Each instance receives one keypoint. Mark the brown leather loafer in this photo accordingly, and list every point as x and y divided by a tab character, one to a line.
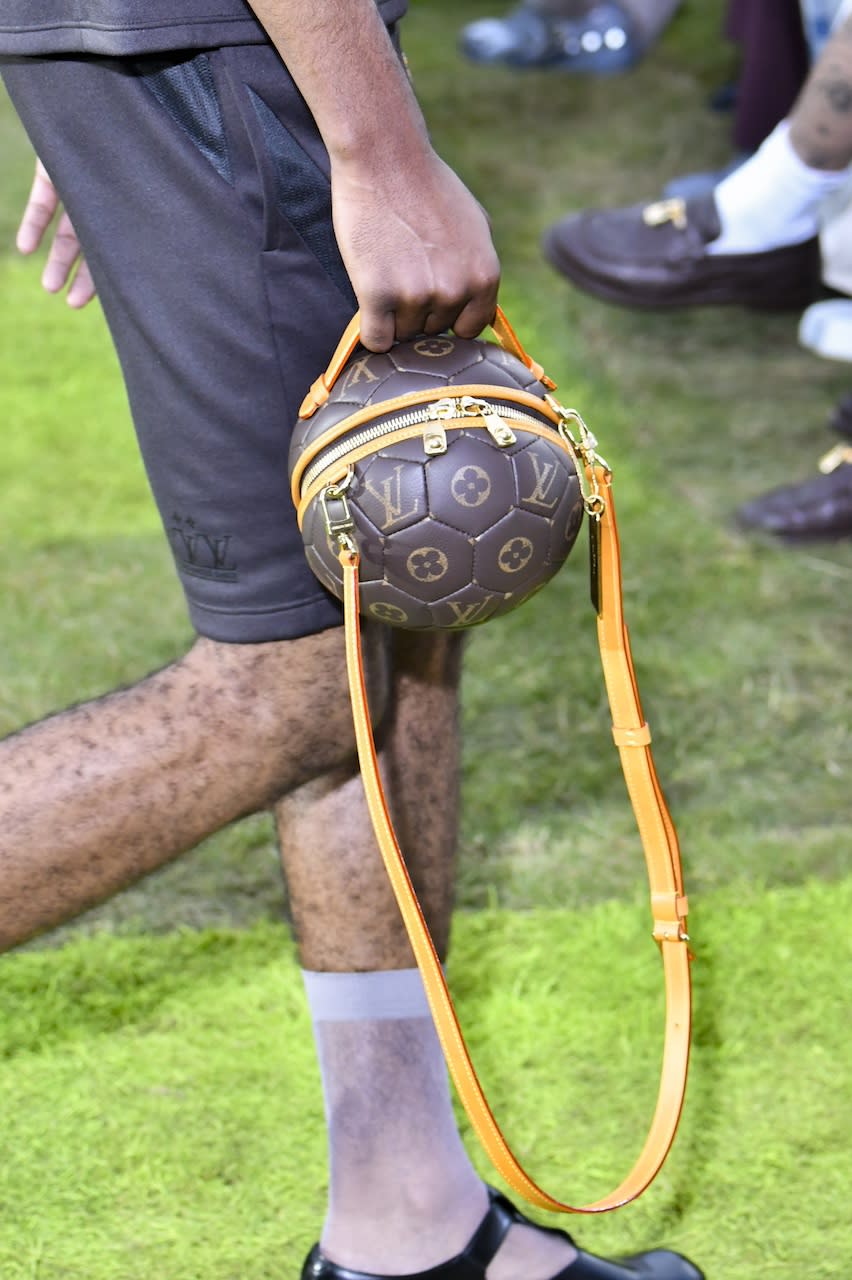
655	256
819	508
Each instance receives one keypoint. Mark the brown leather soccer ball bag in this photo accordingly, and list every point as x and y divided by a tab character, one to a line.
438	485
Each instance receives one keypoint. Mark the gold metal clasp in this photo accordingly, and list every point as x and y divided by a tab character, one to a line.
584	446
339	526
673	211
594	502
583	442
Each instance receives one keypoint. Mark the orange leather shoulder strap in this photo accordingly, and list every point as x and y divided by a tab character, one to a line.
659	841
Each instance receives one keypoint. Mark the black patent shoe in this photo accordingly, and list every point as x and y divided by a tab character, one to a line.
472	1262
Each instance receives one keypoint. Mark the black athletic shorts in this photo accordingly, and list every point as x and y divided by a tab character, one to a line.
198	186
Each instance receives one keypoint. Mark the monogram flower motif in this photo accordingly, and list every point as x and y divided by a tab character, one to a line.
386	612
515	555
471	486
434	347
428	564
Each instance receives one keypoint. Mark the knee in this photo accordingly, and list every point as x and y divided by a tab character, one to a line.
286	702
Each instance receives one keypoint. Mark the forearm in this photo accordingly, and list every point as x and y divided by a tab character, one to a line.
413	239
340	55
821	122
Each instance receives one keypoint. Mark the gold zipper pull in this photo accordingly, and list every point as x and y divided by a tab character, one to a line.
435	437
501	433
434	440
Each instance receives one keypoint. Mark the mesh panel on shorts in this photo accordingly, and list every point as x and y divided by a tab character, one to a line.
303	194
186	90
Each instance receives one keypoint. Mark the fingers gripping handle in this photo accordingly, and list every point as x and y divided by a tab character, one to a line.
319	392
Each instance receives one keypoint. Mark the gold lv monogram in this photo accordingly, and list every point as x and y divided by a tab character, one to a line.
467	614
545	473
388	493
358	371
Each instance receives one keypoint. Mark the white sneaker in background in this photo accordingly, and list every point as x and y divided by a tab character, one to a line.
826	329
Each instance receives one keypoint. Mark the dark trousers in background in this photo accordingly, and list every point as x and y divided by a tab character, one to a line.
775	63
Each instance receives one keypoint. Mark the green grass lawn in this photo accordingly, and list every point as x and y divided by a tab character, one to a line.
742	651
162	1113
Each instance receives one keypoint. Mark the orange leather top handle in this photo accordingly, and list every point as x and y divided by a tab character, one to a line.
662	856
503	332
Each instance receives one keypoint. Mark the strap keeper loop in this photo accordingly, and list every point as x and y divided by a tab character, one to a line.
670	912
639	736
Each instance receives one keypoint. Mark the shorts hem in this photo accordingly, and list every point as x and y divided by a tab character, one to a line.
291	622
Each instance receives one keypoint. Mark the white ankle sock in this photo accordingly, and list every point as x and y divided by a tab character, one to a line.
773	199
403	1194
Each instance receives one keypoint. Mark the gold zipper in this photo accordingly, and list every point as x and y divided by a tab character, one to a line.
434	436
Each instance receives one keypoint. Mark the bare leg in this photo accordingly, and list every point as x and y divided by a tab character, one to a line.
98	796
344	913
821	121
403	1194
776	198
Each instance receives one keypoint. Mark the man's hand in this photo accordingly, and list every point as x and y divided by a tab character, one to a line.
42	207
414	240
417	247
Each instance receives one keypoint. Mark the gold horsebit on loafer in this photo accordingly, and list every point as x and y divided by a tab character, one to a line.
836	457
673	211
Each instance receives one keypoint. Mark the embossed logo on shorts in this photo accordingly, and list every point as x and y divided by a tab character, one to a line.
199	553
